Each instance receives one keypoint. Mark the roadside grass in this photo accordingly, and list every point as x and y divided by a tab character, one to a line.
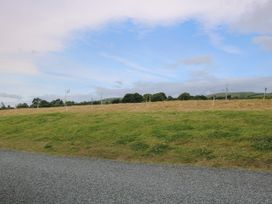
219	138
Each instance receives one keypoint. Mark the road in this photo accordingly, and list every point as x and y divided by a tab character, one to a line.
37	178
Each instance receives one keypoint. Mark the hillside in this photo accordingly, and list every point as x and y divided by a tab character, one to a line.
241	95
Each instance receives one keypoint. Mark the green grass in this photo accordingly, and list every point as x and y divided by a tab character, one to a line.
209	138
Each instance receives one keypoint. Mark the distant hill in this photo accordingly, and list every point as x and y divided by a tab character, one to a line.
241	95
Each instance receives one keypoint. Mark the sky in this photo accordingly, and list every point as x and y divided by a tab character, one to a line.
106	48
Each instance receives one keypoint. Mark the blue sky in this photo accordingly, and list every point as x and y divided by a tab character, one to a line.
96	49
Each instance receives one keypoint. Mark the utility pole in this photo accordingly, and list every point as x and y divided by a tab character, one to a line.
92	104
67	91
214	100
265	90
38	103
226	92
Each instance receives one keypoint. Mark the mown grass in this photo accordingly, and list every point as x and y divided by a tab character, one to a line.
220	138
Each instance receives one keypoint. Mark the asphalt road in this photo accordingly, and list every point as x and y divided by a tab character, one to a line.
36	178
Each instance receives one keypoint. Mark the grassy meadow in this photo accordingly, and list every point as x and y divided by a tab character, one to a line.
221	134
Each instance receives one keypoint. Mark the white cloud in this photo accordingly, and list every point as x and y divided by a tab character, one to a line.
256	17
199	60
17	66
265	42
46	25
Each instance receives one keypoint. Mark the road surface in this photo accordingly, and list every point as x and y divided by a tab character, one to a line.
37	178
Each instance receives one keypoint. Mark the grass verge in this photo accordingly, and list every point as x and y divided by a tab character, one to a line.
220	138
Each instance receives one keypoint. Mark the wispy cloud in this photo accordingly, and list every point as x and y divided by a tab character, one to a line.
198	60
10	96
138	68
264	41
218	41
192	61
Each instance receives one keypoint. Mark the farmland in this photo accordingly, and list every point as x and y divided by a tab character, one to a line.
231	134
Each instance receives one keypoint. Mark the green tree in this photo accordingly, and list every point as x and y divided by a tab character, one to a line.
45	103
133	98
22	105
158	97
2	107
36	102
70	103
147	97
200	97
170	98
116	100
57	103
184	96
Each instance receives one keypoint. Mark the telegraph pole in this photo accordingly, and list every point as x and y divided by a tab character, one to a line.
226	92
65	97
265	90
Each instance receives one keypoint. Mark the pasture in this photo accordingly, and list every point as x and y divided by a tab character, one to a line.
231	134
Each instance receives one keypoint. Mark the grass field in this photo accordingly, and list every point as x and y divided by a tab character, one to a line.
223	134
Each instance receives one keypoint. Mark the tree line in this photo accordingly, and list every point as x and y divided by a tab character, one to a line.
128	98
138	98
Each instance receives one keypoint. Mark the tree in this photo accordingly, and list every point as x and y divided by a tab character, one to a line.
22	105
147	97
44	103
158	97
200	97
56	103
133	98
36	103
116	100
170	98
70	103
184	96
3	106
